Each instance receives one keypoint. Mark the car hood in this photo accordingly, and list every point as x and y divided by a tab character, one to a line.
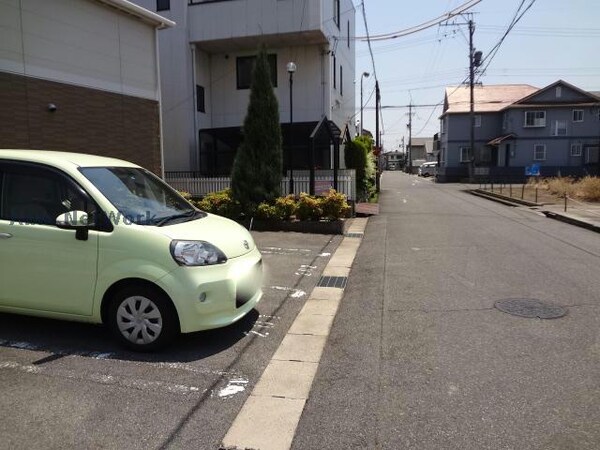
230	237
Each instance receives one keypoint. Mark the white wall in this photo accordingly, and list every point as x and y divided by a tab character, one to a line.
178	104
342	104
79	42
242	18
226	105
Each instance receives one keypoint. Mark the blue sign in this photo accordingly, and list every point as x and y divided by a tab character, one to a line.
532	170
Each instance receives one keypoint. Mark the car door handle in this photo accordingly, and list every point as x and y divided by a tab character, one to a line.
5	235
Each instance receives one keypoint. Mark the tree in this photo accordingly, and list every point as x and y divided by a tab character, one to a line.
257	169
358	156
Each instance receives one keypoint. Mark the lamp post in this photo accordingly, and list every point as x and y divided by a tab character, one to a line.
364	75
291	68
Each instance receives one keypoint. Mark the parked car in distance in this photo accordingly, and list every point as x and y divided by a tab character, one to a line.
428	169
101	240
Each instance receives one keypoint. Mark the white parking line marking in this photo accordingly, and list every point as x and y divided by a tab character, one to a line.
65	352
295	293
284	251
246	333
306	270
102	378
233	387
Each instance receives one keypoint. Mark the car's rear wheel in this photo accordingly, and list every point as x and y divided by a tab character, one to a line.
142	318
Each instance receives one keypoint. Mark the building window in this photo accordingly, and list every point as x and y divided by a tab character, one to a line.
504	121
336	12
200	107
578	115
348	33
576	149
592	155
539	152
558	92
341	80
334	73
442	127
559	128
244	67
535	119
163	5
477	121
465	154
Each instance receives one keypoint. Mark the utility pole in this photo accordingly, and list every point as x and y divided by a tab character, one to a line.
377	105
472	101
409	138
377	137
474	62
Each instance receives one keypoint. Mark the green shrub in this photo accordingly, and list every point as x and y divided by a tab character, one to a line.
258	164
334	205
309	208
264	211
358	156
220	203
186	195
285	207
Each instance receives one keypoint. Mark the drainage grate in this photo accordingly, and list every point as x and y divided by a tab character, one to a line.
530	308
354	235
333	282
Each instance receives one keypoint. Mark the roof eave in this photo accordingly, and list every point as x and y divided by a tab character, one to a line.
150	17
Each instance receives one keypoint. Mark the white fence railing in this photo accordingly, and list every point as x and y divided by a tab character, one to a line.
200	186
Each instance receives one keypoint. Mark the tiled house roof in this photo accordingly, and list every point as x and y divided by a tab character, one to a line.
491	98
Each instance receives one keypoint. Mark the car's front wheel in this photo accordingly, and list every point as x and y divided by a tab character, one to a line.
142	318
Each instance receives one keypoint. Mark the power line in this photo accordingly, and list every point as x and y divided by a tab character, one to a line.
516	18
425	25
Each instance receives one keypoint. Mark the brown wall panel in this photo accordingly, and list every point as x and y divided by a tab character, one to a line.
86	120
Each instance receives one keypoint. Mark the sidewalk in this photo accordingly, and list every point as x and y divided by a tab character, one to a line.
586	215
583	214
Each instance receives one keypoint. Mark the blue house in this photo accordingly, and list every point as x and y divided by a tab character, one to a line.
557	127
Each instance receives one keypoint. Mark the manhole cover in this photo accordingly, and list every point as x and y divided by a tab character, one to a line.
530	308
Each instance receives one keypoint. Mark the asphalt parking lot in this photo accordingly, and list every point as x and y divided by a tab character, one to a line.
68	385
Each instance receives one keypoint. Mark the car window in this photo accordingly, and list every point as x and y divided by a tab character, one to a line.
140	196
37	195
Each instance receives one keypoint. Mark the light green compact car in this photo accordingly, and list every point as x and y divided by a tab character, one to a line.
102	240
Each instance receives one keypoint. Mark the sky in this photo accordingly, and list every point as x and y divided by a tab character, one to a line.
555	39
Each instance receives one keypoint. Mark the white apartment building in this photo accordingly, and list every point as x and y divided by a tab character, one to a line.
206	63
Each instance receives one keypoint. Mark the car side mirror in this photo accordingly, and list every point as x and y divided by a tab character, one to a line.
79	221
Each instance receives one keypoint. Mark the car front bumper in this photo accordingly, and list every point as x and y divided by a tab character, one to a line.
215	296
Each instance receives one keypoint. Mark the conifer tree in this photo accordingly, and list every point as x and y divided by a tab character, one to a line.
257	169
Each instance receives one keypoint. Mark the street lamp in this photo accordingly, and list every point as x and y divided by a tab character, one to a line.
364	75
291	68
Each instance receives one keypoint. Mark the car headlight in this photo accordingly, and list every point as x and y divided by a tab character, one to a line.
196	253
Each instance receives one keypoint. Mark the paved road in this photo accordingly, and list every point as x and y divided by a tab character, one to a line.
66	385
419	358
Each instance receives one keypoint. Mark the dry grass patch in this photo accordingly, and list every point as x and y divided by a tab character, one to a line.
561	186
588	188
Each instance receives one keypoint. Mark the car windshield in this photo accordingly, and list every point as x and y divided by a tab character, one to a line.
140	196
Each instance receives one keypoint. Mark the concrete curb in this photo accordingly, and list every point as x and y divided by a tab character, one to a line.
572	221
497	198
550	214
271	413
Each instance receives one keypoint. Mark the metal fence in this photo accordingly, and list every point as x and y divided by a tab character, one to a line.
199	186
